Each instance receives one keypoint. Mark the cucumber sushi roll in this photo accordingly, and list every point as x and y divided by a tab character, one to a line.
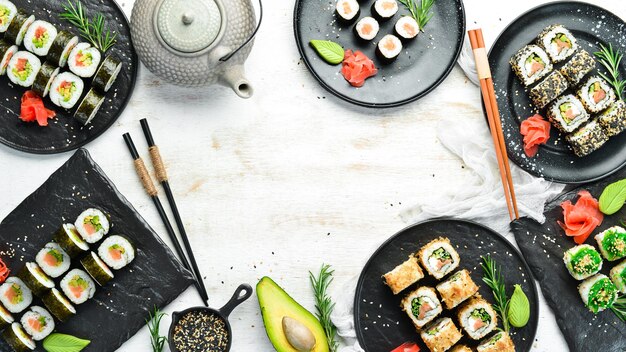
618	276
422	306
66	90
23	68
582	261
15	296
439	258
89	107
84	60
7	13
116	251
18	27
35	279
406	28
53	260
6	318
38	323
383	10
499	342
58	305
44	79
78	286
441	335
567	113
457	288
347	10
18	339
403	275
389	48
367	28
548	89
613	119
596	95
530	64
7	51
95	267
558	42
612	243
62	47
598	293
589	138
68	238
477	318
578	67
92	224
39	37
107	73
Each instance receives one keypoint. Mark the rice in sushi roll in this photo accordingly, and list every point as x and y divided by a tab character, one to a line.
44	79
107	73
618	276
558	42
89	107
6	318
78	286
383	10
406	28
612	243
596	95
403	275
15	296
347	10
578	67
567	113
18	27
7	13
38	282
23	68
66	90
70	241
598	293
477	318
439	258
422	306
7	51
582	261
18	339
38	323
441	335
97	269
53	260
39	37
530	64
116	251
548	89
499	342
461	348
367	28
58	305
589	138
613	119
457	288
92	224
61	48
388	48
84	60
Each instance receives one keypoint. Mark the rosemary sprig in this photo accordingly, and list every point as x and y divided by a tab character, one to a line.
610	59
421	13
154	322
493	278
619	308
93	30
323	303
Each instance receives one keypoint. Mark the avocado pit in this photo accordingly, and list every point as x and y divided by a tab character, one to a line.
298	335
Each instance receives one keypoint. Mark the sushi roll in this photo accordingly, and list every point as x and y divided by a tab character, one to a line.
36	280
97	269
422	306
548	89
383	10
44	79
347	10
598	293
367	28
589	138
567	113
92	224
7	51
558	42
613	119
84	60
107	73
578	67
39	37
618	276
23	68
70	241
18	339
89	107
116	251
596	95
61	48
457	288
78	286
15	296
388	48
18	27
439	258
477	318
66	90
612	243
582	261
441	335
499	342
53	260
403	275
6	318
7	13
530	64
58	305
38	323
461	348
406	28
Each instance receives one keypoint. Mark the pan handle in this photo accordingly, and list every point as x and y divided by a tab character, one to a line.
242	293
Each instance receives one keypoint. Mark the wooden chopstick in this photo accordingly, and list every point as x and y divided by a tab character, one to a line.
493	116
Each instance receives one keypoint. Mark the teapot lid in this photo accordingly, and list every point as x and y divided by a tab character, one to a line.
189	26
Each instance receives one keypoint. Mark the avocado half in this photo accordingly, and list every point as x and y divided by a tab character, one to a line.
275	305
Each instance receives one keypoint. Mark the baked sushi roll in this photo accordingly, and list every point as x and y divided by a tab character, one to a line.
84	60
578	67
422	306
18	27
66	89
61	48
582	261
89	107
108	72
15	296
618	276
461	348
44	79
7	50
92	224
441	335
7	13
39	37
477	317
53	260
587	139
38	282
406	28
38	323
598	293
558	42
403	275
439	258
499	342
117	251
347	10
389	48
612	243
97	269
18	339
68	238
23	68
530	64
6	318
595	94
457	288
567	113
548	89
384	10
613	119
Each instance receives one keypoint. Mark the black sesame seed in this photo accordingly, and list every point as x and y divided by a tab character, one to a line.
200	331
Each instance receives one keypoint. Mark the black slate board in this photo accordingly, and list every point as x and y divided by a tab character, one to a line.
543	246
591	25
423	64
381	324
119	309
64	133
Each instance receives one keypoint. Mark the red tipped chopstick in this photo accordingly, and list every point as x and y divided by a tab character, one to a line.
493	116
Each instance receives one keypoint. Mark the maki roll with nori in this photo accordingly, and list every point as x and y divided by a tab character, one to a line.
15	296
58	305
618	276
422	306
548	89
567	113
108	72
78	286
97	269
43	80
441	335
117	251
38	323
477	317
18	339
406	28
439	258
89	107
596	95
7	50
61	48
84	60
7	13
23	68
499	342
39	37
383	10
598	293
587	139
6	318
68	238
66	90
92	224
53	260
403	275
18	27
558	42
612	243
38	282
578	67
367	28
582	261
613	119
347	10
530	64
457	288
389	48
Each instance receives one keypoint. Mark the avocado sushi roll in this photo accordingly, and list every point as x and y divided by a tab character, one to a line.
89	107
61	48
384	10
441	335
613	119
567	113
548	89
389	48
6	318
39	37
15	296
35	279
107	73
477	318
68	238
84	60
92	224
457	289
582	261
78	286
44	79
598	293
18	27
618	276
558	42
499	342
53	260
612	243
587	139
7	50
439	258
406	28
58	305
7	13
18	339
530	64
578	67
97	269
38	323
403	275
117	251
367	28
347	11
66	90
23	68
596	95
422	306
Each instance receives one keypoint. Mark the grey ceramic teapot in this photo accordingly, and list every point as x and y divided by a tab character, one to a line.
196	42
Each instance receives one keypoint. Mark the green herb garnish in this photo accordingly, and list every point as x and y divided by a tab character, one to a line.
64	343
613	197
610	59
92	29
519	308
422	13
619	308
493	278
323	303
331	52
154	323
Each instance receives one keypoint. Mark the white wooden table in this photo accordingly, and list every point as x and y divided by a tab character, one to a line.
285	181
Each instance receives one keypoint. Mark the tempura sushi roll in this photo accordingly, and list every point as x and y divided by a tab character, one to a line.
548	89
18	27
578	67
613	119
44	79
66	90
39	37
403	275
477	318
78	286
38	282
367	28
612	243
587	139
422	306
15	296
58	305
38	323
70	241
53	260
6	318
530	64
107	73
461	348
618	276
84	60
596	95
567	113
457	288
499	342
61	48
383	10
116	251
23	68
441	335
89	107
558	42
598	293
439	258
92	224
18	339
7	50
389	48
406	28
347	10
97	269
7	13
582	261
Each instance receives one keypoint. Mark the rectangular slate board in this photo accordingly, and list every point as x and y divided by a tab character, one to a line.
543	246
119	309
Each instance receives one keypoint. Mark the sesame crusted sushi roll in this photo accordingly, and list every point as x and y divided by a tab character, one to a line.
612	243
7	50
70	241
7	13
578	67
530	64
422	306
92	224
389	48
582	261
558	42
89	107
58	305
347	10
18	27
117	251
567	113
97	269
598	293
18	339
78	286
15	296
441	335
53	260
587	139
39	37
618	276
457	288
107	73
499	342
548	89
384	10
461	348
406	28
44	79
439	258
61	48
66	90
403	275
38	282
38	323
84	60
23	68
596	95
613	119
367	28
477	318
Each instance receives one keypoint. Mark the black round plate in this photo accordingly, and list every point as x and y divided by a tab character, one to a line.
63	133
381	324
591	25
423	64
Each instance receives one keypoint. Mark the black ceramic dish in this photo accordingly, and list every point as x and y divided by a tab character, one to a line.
591	25
381	324
243	292
119	309
423	64
543	246
63	133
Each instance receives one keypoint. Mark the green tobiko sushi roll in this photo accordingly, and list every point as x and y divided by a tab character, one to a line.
53	260
58	305
68	238
598	293
582	261
97	269
612	243
618	276
18	339
78	286
38	282
15	296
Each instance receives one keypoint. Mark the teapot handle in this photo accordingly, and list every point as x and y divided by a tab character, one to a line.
228	56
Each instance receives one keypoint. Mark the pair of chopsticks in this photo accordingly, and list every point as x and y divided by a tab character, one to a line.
149	187
493	116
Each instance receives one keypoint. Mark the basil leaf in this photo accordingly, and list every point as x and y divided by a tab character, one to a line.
64	343
613	197
519	308
331	52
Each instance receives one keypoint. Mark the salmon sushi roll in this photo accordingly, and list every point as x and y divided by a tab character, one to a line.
38	323
107	73
587	139
457	288
441	335
558	42
613	119
39	37
68	238
404	275
499	342
19	25
44	79
6	318
461	348
92	224
477	317
7	51
23	68
389	48
384	10
548	89
422	306
567	113
439	258
596	95
61	48
347	11
97	269
7	13
406	28
78	286
116	251
89	107
38	282
66	90
53	260
581	64
367	28
84	60
18	339
58	305
530	64
15	296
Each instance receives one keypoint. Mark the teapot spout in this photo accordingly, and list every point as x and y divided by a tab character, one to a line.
234	77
